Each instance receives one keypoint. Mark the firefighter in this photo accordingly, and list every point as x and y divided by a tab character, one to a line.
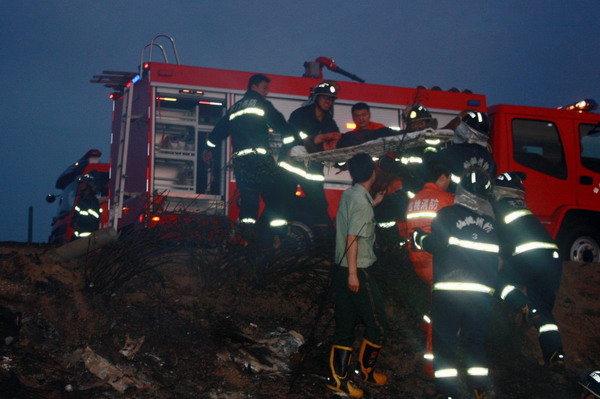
314	124
86	219
531	261
464	244
248	122
469	146
422	209
356	293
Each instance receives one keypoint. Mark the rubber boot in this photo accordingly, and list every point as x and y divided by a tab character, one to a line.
339	362
366	360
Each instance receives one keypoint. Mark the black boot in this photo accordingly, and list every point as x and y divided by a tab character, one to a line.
369	352
339	361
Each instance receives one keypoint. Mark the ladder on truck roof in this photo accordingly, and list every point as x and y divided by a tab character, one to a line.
120	174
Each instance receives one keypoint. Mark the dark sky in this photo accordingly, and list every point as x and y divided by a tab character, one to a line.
542	53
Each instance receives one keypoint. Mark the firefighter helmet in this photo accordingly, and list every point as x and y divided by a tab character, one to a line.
590	381
418	112
326	88
511	180
476	120
476	181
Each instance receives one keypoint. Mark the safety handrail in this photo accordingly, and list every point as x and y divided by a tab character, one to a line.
152	44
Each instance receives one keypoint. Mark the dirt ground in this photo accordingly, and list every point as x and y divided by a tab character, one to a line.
173	318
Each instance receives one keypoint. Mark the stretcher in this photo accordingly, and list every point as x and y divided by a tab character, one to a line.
377	147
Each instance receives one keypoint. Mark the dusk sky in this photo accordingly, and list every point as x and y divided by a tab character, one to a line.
541	53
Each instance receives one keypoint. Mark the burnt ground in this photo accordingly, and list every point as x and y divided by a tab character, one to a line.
157	316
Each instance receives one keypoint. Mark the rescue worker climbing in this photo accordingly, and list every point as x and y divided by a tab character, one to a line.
422	210
464	244
531	261
248	122
314	124
86	219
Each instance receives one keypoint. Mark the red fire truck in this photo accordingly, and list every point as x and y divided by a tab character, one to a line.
163	113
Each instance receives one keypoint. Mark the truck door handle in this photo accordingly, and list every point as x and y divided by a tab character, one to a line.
587	180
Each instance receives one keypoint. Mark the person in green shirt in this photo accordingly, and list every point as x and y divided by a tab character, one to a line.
356	293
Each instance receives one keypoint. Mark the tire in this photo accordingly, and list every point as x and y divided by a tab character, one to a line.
299	237
581	244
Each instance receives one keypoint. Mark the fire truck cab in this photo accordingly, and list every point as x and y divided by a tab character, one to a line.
559	150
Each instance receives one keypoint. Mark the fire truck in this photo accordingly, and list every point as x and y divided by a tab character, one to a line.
163	112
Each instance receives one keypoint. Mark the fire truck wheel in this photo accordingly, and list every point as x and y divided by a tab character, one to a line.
581	244
299	237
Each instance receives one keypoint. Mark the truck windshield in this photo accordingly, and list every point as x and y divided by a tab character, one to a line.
67	199
589	138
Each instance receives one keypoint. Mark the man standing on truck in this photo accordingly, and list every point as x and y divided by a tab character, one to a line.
315	125
531	260
361	115
464	244
248	122
356	293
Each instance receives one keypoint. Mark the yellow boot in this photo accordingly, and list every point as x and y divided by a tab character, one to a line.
367	359
339	362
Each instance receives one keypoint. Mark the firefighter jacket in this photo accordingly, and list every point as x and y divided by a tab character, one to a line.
465	249
421	211
462	156
519	230
304	121
86	219
248	122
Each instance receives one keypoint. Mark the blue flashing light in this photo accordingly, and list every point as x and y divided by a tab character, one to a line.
473	103
135	79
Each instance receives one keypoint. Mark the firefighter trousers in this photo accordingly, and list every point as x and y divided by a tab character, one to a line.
460	317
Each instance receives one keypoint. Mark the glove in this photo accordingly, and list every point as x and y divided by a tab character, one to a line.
417	237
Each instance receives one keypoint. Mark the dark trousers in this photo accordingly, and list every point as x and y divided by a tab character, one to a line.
365	306
259	176
459	317
539	273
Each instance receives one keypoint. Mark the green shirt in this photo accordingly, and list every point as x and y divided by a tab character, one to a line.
355	217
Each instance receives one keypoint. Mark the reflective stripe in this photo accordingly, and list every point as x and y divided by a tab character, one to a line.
247	151
248	221
84	213
409	160
425	215
481	371
547	328
303	135
84	234
455	178
515	215
386	225
210	143
457	286
426	319
77	208
507	290
410	194
534	245
288	140
433	141
245	111
428	356
277	222
446	373
301	172
94	213
555	255
478	246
